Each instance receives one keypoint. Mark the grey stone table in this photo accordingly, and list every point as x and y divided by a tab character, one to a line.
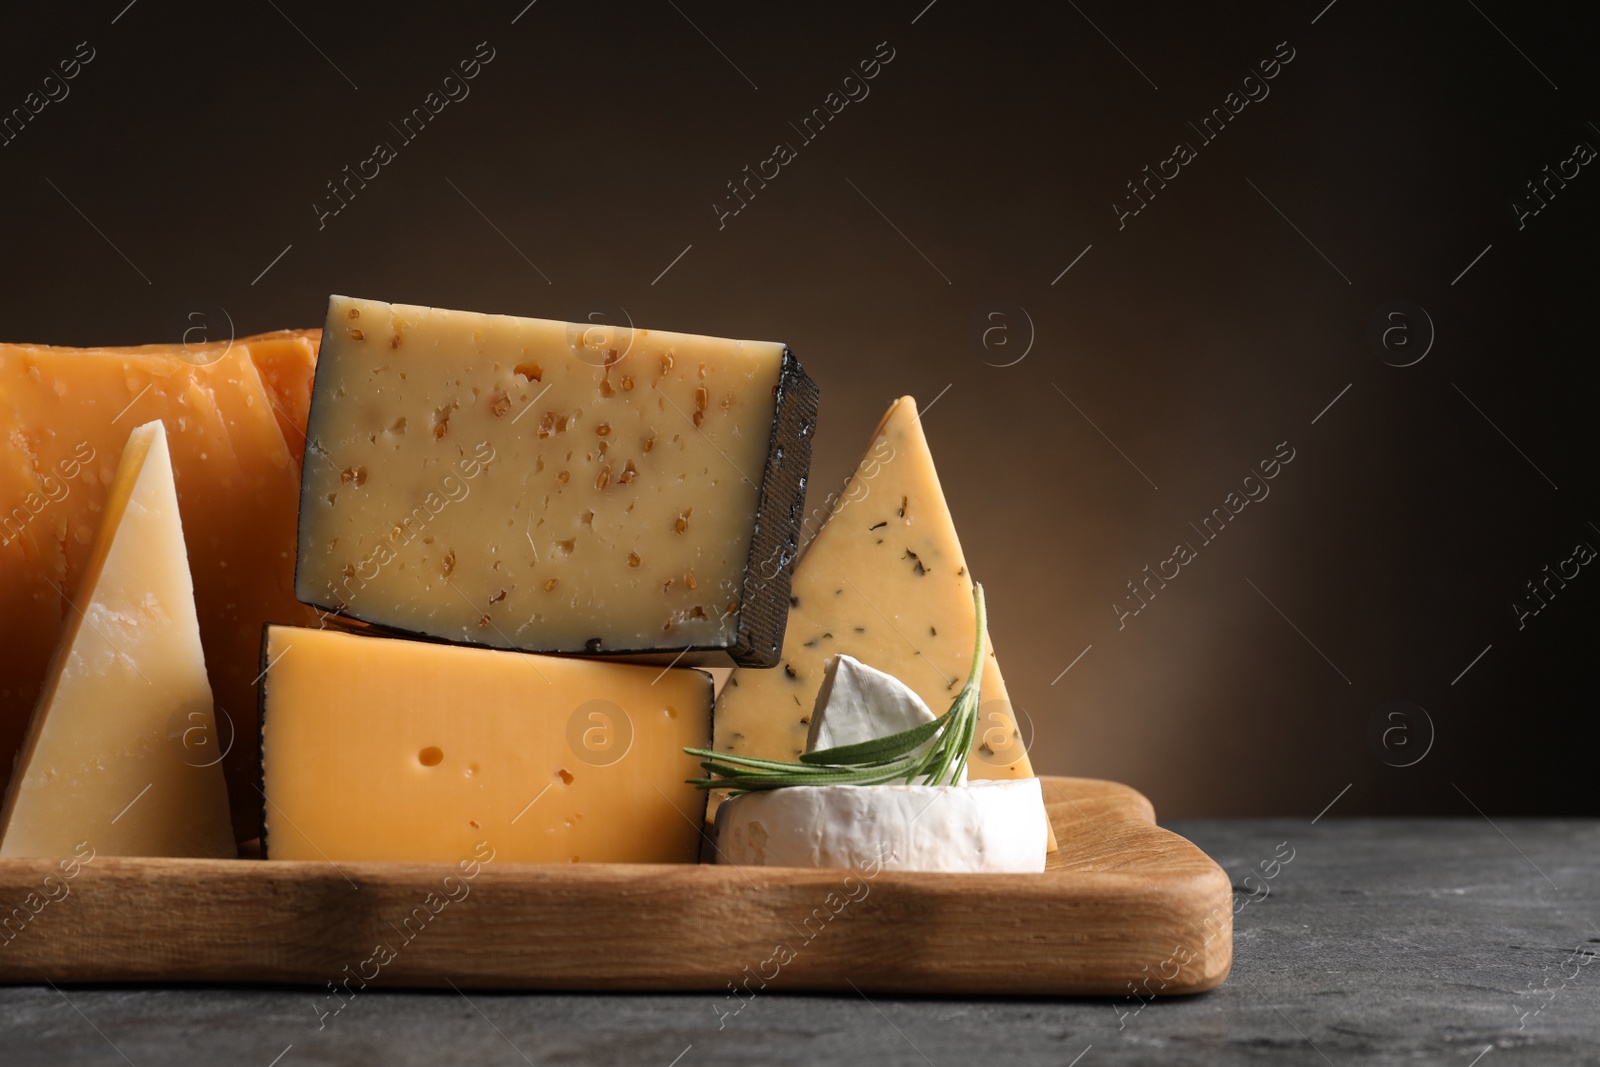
1379	941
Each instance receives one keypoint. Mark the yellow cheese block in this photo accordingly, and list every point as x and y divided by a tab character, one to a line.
65	414
379	748
885	581
546	486
122	750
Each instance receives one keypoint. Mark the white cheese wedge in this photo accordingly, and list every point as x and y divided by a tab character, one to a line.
995	826
860	703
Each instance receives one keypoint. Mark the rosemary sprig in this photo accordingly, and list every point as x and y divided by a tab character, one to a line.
906	756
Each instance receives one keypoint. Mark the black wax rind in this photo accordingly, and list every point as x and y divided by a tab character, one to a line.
764	608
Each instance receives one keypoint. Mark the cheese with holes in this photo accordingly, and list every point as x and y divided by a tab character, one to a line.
994	827
233	412
538	485
379	748
122	750
884	581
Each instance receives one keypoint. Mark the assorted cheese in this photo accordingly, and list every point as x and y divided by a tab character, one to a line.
386	749
523	486
122	750
551	487
885	582
228	407
996	826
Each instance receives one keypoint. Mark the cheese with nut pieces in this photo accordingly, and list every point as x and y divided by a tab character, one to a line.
234	414
380	748
122	750
553	487
995	827
885	581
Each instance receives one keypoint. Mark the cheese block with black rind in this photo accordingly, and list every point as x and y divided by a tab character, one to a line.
551	487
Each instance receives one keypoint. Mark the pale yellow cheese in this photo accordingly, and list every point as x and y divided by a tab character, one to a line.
885	581
388	749
533	484
122	751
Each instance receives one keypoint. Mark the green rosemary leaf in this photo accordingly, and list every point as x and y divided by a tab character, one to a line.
879	748
750	762
840	776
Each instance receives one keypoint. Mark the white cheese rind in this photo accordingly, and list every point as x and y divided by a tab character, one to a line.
860	703
995	827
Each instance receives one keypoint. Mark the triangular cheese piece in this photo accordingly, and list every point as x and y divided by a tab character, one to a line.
885	582
859	703
122	749
232	410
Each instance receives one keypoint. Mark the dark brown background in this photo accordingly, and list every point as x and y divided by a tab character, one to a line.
1196	338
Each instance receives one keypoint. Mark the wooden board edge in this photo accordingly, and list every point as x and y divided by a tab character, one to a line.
1161	927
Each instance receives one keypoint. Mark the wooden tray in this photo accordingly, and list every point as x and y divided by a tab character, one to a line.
1122	902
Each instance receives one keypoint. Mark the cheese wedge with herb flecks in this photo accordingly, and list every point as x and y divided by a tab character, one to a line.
885	581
